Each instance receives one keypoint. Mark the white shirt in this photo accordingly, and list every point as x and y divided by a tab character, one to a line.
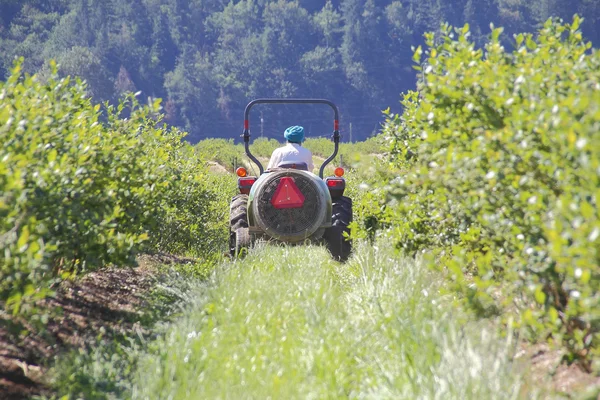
291	153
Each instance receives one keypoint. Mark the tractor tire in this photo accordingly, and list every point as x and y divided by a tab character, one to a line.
339	247
243	242
239	236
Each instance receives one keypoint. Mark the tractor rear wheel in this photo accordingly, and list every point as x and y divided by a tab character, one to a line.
243	241
239	235
339	246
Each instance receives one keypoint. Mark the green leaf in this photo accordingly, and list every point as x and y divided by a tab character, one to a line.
417	55
553	315
587	211
23	239
586	275
576	23
52	154
540	296
29	290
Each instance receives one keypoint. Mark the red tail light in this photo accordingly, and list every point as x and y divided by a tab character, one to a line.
246	181
336	186
244	184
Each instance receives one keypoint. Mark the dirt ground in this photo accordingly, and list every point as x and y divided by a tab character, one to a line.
110	299
546	366
217	168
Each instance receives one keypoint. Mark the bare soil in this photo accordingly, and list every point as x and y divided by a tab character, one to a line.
110	300
217	168
547	366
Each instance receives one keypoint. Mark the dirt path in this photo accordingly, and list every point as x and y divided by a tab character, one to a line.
217	168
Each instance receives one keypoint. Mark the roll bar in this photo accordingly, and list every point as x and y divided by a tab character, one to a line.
336	126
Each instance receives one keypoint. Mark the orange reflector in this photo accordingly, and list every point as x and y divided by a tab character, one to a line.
339	172
241	172
287	194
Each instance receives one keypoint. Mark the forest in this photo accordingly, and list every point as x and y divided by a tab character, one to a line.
207	58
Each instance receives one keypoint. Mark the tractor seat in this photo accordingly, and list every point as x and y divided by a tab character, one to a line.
300	165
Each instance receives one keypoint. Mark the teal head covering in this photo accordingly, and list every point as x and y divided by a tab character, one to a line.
294	134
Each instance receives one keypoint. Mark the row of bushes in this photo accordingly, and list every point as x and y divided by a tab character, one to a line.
502	178
227	153
81	188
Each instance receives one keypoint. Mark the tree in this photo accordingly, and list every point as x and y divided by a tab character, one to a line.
590	10
328	23
357	52
123	83
478	14
25	37
82	62
187	86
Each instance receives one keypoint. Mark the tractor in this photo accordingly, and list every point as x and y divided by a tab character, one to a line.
289	204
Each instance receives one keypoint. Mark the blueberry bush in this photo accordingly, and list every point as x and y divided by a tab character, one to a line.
83	186
502	177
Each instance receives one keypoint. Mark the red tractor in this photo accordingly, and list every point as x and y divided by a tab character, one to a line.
290	204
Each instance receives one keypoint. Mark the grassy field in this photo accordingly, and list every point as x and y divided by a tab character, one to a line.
287	322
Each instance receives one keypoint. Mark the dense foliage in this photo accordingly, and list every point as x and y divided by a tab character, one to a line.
502	175
208	58
77	194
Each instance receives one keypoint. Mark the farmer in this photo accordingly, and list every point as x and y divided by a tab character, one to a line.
292	152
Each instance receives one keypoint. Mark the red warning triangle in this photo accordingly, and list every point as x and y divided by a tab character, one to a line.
287	194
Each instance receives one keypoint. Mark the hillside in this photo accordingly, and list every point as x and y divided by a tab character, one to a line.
208	58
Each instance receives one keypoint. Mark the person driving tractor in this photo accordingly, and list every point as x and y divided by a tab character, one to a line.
292	152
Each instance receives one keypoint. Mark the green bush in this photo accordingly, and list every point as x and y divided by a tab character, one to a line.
77	194
503	177
228	154
323	147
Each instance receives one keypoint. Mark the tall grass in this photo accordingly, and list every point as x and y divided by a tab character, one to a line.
287	322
